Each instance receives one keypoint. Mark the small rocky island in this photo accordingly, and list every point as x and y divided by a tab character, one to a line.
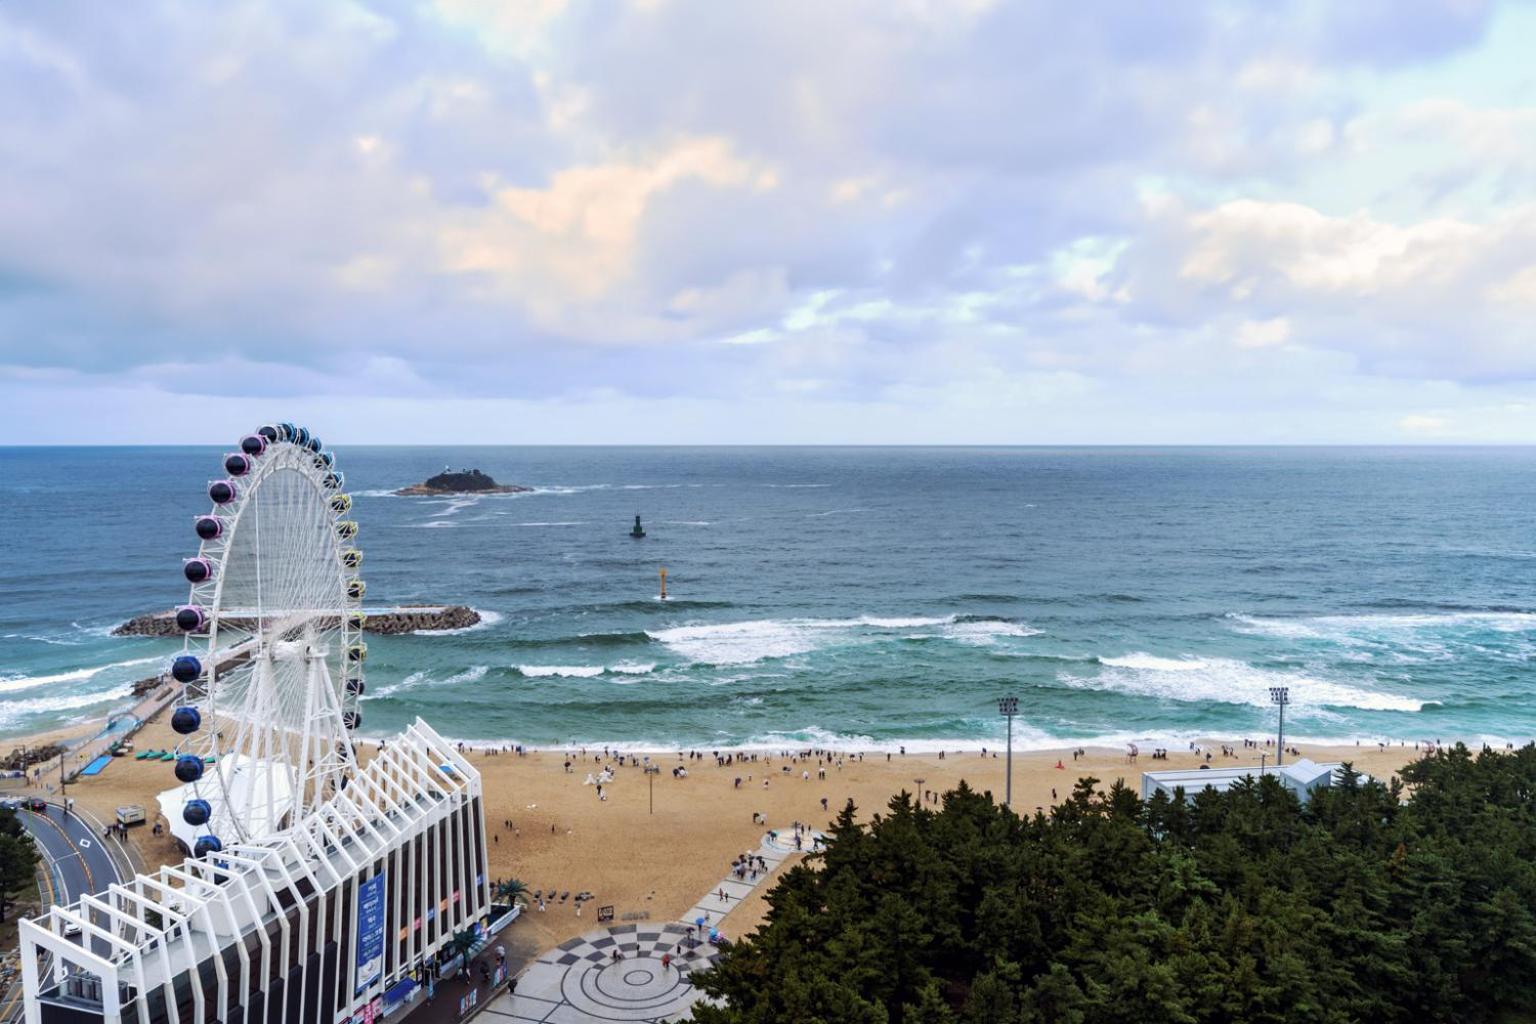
463	481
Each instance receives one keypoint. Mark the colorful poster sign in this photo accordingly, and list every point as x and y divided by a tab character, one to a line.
370	932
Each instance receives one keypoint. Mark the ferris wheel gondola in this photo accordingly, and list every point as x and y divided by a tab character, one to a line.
272	665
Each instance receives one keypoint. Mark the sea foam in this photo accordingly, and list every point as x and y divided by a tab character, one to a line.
623	668
1226	681
15	683
740	643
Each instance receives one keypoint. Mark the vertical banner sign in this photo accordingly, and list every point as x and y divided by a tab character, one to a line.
370	932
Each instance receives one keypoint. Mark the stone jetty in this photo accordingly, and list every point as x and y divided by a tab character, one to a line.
387	621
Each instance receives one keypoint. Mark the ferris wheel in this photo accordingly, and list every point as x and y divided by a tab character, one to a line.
272	665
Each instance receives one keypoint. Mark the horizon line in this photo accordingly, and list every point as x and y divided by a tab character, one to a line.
957	445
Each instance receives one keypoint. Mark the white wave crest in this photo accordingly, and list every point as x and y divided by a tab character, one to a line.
454	505
1384	626
15	683
623	668
561	489
54	640
12	710
1226	681
987	631
740	643
422	680
1406	638
1142	660
916	622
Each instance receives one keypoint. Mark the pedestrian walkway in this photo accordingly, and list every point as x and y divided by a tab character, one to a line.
637	972
727	896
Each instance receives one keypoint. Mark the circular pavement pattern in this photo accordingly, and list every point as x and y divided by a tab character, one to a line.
582	979
782	841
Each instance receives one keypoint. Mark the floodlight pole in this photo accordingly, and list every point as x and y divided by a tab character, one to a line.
1008	707
651	772
1281	696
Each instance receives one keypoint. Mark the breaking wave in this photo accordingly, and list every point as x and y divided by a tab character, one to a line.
1226	681
741	643
584	671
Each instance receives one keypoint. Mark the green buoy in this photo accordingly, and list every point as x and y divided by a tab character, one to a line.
638	531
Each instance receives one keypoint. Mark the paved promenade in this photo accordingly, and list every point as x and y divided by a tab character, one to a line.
636	972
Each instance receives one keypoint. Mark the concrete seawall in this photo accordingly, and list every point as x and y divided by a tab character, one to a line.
386	621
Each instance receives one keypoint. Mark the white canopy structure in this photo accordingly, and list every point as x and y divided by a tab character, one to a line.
1301	777
241	779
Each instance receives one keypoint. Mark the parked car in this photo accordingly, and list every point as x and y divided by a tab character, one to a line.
11	803
37	803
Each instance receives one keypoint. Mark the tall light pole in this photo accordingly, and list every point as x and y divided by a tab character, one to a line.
651	771
1280	696
1008	707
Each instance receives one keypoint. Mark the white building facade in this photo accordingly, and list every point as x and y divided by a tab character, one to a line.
332	920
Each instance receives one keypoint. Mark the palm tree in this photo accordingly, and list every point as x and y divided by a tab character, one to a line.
512	892
462	944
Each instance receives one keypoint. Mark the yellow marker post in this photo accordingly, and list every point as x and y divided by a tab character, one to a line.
663	583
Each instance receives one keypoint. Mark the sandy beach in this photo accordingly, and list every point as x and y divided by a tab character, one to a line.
563	838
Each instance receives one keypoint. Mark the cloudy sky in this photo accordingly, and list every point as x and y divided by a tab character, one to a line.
707	221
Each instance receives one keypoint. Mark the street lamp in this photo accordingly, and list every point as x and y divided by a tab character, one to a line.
919	782
1008	707
1280	696
651	771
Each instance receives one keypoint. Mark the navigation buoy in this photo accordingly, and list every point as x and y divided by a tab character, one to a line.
663	583
638	531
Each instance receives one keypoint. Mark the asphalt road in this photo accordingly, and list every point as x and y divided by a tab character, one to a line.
78	861
78	864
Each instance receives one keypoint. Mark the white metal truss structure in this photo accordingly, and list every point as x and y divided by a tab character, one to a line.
276	577
274	930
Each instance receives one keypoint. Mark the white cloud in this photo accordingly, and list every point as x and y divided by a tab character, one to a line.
1421	424
914	216
1263	333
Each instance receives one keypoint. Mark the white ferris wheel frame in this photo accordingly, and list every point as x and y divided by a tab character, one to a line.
286	771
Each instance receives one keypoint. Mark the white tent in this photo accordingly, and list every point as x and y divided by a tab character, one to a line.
263	786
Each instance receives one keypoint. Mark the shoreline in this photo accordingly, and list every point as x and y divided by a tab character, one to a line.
931	747
76	733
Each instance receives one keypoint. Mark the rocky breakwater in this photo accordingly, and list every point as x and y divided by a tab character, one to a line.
410	618
463	481
387	621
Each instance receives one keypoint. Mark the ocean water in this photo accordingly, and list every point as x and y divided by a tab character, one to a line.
855	596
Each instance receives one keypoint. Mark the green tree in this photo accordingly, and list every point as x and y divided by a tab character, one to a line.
18	867
1386	903
512	892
